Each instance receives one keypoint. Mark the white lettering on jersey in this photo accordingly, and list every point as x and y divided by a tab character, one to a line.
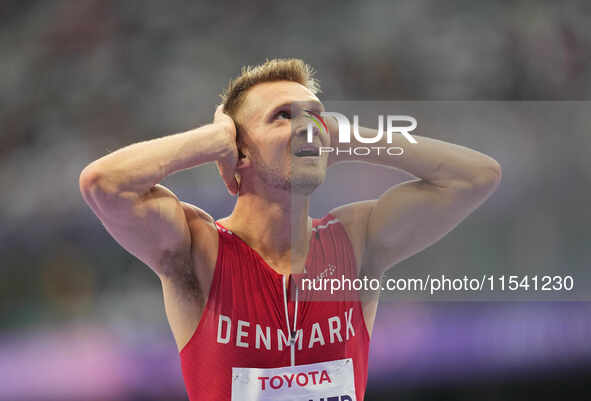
228	321
261	337
240	333
348	323
334	330
266	338
282	339
316	336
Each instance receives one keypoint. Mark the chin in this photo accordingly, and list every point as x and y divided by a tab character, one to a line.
305	185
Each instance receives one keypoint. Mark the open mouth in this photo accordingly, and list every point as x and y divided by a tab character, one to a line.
307	150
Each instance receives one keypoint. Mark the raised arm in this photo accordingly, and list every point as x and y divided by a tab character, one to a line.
452	182
144	217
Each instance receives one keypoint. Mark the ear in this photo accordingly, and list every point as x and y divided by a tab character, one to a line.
243	160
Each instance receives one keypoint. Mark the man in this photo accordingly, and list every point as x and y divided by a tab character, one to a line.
241	331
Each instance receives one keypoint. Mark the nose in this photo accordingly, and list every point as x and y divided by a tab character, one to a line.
306	127
307	132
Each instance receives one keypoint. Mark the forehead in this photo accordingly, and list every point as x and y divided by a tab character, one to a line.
265	96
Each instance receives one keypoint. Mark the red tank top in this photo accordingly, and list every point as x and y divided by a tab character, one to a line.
244	322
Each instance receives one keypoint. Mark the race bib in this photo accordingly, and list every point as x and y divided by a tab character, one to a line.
323	381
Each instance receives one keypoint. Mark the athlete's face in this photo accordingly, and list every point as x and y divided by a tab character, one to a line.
274	128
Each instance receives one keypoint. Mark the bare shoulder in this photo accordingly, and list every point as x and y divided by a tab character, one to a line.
194	212
185	294
204	243
354	217
191	276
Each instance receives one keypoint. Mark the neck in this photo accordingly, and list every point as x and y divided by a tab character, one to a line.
277	227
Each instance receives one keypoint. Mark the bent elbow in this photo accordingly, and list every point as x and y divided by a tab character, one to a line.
492	174
88	177
95	185
88	180
488	177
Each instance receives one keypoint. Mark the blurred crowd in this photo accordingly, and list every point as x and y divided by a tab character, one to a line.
80	79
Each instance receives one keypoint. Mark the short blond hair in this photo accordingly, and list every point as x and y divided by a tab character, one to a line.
279	69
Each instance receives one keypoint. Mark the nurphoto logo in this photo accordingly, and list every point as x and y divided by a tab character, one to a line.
344	127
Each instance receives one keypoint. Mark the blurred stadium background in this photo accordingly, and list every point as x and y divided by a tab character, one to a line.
81	319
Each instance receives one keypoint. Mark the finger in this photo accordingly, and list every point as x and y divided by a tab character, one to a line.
219	109
216	113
